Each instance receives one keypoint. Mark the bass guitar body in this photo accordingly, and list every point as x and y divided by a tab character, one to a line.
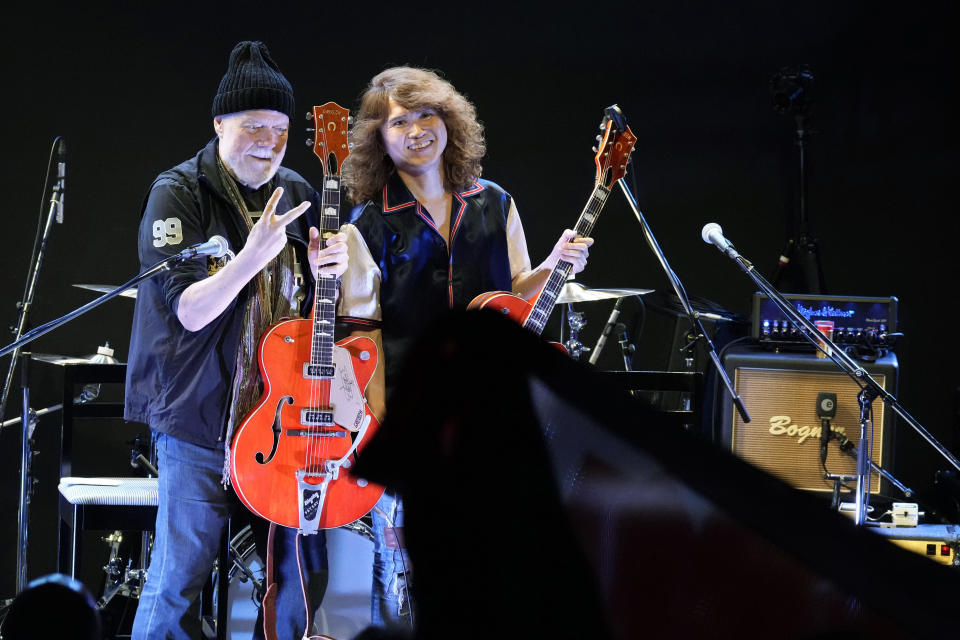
291	455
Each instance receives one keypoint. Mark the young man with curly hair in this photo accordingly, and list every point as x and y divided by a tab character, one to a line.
427	234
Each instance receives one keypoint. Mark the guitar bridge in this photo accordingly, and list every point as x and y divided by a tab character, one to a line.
310	433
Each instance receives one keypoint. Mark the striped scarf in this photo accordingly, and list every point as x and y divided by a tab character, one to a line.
272	300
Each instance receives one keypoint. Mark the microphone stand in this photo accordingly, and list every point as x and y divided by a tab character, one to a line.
55	212
697	327
869	388
26	481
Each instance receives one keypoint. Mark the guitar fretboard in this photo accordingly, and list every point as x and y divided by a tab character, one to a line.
547	298
324	305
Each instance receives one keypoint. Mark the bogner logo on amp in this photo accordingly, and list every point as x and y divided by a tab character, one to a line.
783	436
785	426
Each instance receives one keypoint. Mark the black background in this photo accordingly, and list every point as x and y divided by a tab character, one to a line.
129	89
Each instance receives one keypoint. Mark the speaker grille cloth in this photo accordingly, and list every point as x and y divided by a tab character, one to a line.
783	435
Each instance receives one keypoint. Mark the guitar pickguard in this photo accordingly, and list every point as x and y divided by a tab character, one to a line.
345	394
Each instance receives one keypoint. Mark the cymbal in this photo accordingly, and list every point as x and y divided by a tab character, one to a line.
58	359
106	288
104	355
575	292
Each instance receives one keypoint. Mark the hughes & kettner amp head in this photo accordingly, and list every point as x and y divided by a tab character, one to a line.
866	326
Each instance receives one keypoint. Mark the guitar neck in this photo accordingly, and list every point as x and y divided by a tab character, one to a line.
547	298
325	293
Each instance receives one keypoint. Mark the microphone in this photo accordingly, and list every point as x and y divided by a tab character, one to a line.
60	187
826	409
606	331
712	233
216	246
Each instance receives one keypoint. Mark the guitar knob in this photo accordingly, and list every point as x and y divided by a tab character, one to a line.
364	355
309	142
361	482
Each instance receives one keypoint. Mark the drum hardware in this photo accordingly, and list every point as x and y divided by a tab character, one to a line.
574	292
121	580
576	322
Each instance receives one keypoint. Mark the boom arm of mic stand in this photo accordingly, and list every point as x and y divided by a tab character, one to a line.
53	324
678	289
844	361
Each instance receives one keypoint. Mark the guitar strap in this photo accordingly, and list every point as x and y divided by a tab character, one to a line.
270	594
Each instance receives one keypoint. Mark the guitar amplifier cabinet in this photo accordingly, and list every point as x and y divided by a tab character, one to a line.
780	391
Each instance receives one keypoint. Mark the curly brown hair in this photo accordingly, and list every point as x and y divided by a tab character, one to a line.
368	167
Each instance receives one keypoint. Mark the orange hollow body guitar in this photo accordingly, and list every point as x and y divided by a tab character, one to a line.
613	153
291	455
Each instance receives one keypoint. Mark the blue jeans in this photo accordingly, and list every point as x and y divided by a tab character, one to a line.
191	517
390	598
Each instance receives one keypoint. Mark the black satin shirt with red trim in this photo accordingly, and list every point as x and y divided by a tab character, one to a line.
419	278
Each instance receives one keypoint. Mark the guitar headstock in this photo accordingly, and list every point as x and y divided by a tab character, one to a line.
615	146
331	129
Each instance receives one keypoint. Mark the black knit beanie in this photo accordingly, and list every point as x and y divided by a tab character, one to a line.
253	81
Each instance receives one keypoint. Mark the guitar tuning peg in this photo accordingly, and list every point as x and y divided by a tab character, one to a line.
349	119
598	138
594	149
349	145
309	142
309	115
310	129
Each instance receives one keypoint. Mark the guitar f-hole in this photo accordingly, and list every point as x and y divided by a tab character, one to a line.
276	431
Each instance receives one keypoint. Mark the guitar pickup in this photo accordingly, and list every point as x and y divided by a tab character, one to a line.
316	418
318	371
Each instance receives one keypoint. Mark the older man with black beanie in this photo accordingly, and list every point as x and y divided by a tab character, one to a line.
193	373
